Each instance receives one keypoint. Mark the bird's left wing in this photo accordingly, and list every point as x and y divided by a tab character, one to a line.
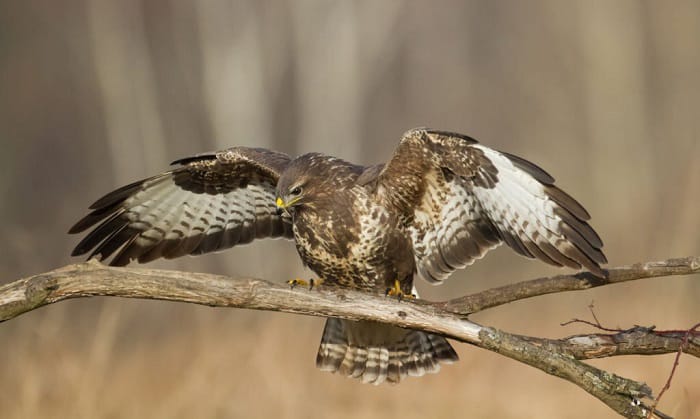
211	202
458	199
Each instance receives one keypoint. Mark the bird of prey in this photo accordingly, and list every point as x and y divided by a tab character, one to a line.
442	201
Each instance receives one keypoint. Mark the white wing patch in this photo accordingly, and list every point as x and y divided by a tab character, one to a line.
518	205
460	218
537	219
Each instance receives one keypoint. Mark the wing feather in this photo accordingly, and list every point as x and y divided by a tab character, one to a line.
459	199
212	202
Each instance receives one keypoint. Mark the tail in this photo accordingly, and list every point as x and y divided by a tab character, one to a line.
377	352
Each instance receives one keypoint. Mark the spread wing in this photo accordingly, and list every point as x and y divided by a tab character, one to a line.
459	199
211	202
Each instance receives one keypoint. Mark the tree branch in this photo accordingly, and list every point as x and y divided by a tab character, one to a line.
581	281
560	358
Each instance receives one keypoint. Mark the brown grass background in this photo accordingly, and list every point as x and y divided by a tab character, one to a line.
94	94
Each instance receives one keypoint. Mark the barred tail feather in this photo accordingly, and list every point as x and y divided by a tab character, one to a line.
376	352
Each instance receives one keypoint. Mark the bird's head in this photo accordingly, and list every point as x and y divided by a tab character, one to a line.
296	185
288	199
313	178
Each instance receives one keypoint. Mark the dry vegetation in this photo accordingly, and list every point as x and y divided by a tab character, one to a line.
94	94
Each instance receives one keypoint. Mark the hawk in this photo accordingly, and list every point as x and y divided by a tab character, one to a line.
442	201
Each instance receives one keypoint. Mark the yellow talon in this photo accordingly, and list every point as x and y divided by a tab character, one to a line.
297	281
311	282
396	290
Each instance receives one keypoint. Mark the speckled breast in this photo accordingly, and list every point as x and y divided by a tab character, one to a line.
357	245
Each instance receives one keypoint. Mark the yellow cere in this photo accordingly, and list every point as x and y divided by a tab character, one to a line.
280	202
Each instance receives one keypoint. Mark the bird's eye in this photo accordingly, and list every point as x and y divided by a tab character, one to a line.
296	191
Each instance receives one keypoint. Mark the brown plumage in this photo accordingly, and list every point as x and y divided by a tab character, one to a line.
441	202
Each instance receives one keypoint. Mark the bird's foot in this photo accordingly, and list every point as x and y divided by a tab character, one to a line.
396	290
311	283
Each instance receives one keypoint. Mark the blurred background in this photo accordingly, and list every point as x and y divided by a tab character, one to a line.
95	94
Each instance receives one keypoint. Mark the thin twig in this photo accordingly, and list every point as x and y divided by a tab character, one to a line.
676	361
597	323
590	323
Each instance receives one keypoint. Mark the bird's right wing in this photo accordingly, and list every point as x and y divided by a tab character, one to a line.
458	199
211	202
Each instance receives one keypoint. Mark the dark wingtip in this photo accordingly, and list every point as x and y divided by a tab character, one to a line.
78	227
531	168
593	262
597	271
91	219
77	252
117	195
568	202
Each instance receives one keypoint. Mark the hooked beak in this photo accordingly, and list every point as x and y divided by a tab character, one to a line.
283	207
280	206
